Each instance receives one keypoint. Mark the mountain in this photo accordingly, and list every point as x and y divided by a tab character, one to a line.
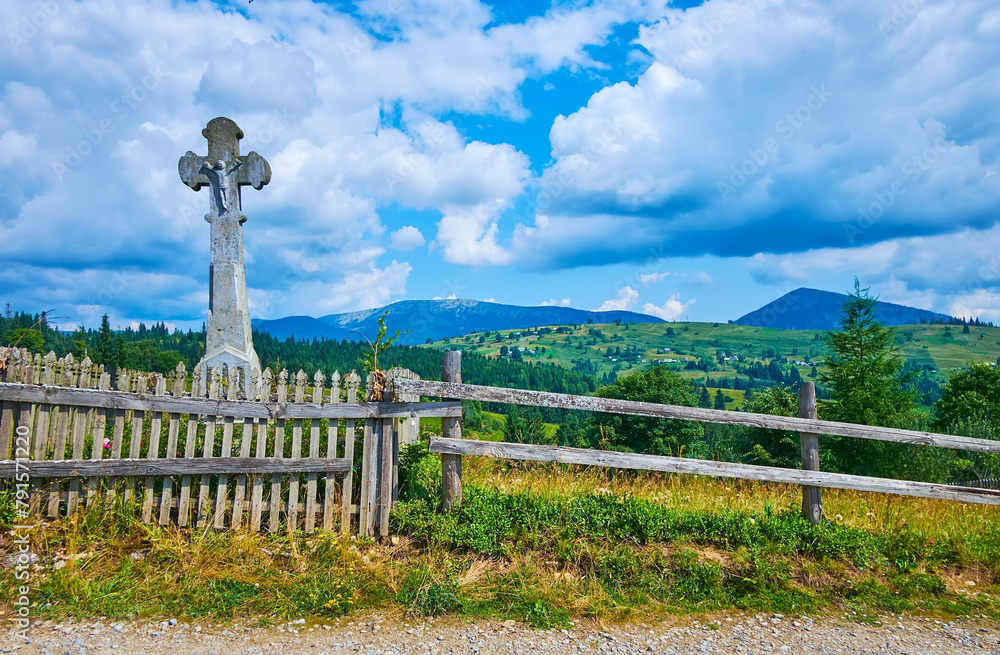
437	319
813	309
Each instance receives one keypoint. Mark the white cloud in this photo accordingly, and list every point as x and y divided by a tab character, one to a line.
406	238
882	128
652	278
554	303
468	235
626	299
365	290
672	310
981	304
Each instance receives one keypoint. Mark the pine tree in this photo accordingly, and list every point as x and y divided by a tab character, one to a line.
103	355
864	376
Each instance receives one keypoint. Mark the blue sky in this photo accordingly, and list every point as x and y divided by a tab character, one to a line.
691	161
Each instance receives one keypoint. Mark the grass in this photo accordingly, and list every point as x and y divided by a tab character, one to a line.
544	544
942	347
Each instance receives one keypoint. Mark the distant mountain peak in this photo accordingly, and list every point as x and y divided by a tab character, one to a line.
438	319
815	309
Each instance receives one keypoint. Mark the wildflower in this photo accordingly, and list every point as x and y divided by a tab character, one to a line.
107	443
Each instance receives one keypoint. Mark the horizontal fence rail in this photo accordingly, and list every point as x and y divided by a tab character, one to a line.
636	408
205	466
662	463
223	408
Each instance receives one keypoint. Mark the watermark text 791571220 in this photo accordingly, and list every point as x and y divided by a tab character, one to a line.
19	534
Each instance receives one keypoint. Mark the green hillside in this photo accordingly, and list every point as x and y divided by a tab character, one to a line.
691	348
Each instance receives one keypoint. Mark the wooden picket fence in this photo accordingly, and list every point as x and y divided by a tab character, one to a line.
282	461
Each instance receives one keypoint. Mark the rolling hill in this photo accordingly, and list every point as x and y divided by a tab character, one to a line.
813	309
438	319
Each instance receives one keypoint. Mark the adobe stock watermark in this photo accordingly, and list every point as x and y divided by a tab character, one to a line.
20	534
710	32
901	15
786	127
121	107
32	25
883	199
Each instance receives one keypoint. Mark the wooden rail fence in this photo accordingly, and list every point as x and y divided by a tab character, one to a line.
452	447
282	461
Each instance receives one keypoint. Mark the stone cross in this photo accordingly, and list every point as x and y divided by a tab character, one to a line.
229	341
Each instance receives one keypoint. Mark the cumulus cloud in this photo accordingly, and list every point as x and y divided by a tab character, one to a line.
626	299
552	302
88	115
406	238
671	310
981	304
750	137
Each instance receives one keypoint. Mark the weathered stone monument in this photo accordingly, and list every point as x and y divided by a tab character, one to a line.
229	341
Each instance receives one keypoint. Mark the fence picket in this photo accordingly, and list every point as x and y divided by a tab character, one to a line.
222	489
178	380
293	485
190	441
274	514
257	495
331	451
353	381
208	450
156	424
100	418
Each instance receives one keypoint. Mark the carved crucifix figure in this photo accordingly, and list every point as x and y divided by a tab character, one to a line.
229	341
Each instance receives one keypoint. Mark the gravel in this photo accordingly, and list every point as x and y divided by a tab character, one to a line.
385	634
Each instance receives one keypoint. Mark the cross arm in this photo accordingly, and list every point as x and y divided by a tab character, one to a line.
254	170
189	167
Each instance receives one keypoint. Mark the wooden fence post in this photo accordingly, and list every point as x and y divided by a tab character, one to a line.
812	505
451	428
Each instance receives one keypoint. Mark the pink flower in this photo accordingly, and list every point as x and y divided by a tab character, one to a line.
107	443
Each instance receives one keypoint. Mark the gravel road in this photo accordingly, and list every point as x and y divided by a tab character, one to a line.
382	634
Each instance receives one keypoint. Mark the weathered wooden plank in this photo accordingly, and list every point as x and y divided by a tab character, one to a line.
274	509
257	495
366	508
208	450
59	452
177	388
319	382
184	494
134	449
293	484
100	419
451	428
812	503
6	428
353	380
40	443
611	405
156	425
331	451
612	459
239	496
72	468
166	494
388	434
222	489
118	435
219	407
78	431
